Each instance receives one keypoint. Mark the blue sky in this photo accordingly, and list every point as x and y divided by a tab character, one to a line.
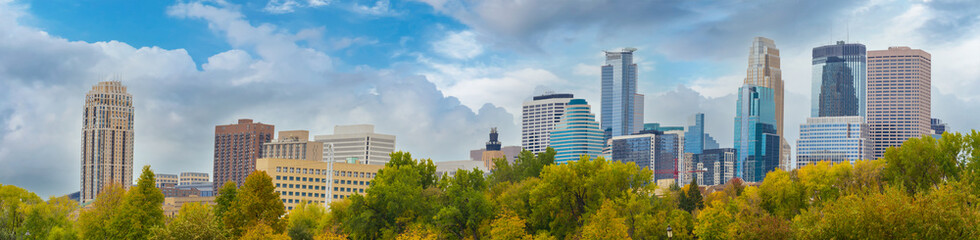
436	73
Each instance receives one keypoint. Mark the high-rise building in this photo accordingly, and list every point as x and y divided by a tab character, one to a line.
358	142
839	73
654	150
192	178
756	142
938	126
694	138
236	146
715	166
293	145
300	181
619	96
493	149
833	139
764	70
577	133
539	117
107	139
658	127
899	96
638	113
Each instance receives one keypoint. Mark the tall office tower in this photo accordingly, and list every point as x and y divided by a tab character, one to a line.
192	178
638	113
839	80
833	139
938	126
358	142
756	141
107	139
715	166
539	117
236	146
709	142
493	149
577	133
764	70
899	96
619	94
694	138
293	145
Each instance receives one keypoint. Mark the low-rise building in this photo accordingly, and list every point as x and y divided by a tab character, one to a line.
299	181
450	167
172	205
187	178
164	179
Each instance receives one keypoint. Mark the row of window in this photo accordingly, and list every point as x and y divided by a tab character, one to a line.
300	186
301	179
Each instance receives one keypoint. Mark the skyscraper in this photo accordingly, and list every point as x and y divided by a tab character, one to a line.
839	73
107	139
651	149
619	98
236	146
694	137
764	70
938	126
756	142
577	133
899	96
539	117
833	139
716	166
358	142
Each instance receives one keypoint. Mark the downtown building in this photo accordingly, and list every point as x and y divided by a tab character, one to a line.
107	139
764	70
293	145
236	147
538	117
654	150
899	96
576	134
836	130
358	143
303	181
714	166
622	107
757	146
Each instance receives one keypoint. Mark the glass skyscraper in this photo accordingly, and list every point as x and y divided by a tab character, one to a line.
834	139
620	103
839	80
756	142
717	166
654	150
764	70
694	137
577	133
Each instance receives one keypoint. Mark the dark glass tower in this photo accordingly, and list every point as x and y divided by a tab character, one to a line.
839	80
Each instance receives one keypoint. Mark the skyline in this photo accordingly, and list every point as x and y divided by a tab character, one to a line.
437	93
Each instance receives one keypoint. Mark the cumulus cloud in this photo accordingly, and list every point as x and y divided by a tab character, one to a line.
460	45
267	76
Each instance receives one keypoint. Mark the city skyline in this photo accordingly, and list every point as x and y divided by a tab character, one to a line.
256	60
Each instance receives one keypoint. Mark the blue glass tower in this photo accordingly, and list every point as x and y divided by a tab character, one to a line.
756	141
694	137
839	80
619	98
577	133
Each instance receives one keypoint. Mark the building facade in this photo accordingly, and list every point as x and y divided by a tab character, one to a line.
510	152
300	181
190	178
577	133
899	96
694	137
839	80
492	151
358	142
756	143
938	126
619	98
107	139
833	139
764	70
293	145
236	146
538	118
654	150
163	179
715	166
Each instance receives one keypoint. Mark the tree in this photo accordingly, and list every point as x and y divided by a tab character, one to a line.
465	207
690	198
260	231
304	219
194	221
921	164
141	210
258	204
403	193
226	200
508	226
94	223
714	221
23	212
605	224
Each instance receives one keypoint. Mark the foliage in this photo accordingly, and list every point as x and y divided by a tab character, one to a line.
94	223
226	200
508	226
304	220
194	221
260	231
257	204
24	214
690	197
526	165
141	210
605	224
465	206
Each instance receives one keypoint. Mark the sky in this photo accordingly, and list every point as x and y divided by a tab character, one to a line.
435	73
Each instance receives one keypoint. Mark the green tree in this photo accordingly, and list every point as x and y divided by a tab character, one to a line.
605	224
690	197
921	164
260	231
508	226
465	206
94	223
141	210
226	200
304	221
195	221
403	193
24	215
258	204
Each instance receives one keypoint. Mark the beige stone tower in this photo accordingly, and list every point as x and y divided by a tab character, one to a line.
899	96
764	71
107	139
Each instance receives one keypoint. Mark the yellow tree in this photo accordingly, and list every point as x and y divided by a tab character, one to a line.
605	224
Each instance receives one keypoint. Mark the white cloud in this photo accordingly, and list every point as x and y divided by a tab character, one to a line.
281	6
380	8
460	45
587	70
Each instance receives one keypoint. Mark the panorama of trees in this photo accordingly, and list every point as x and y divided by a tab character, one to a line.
926	189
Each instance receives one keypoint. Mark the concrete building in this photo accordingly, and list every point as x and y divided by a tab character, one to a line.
450	167
293	145
510	152
833	139
107	139
938	126
619	98
166	179
358	142
204	189
757	145
191	178
899	96
714	166
299	181
577	133
764	70
236	146
538	118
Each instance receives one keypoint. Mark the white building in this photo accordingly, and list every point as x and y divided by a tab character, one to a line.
359	143
834	139
450	167
539	117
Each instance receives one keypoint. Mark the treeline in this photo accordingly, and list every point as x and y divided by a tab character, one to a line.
927	189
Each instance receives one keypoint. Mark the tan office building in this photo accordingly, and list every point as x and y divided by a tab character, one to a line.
358	142
236	146
107	139
293	145
299	181
899	96
189	178
764	71
164	179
